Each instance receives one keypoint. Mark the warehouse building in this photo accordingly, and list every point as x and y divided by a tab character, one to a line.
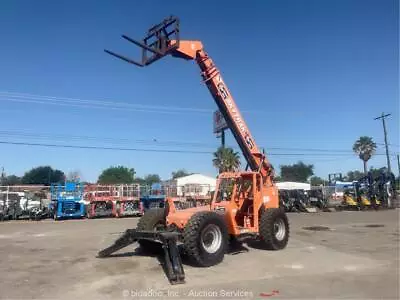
194	185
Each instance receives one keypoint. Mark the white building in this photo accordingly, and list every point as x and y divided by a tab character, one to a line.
195	185
288	185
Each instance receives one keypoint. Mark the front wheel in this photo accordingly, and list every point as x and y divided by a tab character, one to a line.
152	220
205	238
274	228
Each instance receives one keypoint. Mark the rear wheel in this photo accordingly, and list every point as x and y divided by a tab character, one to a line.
152	220
205	238
274	228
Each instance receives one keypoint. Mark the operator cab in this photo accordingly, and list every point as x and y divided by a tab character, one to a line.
235	195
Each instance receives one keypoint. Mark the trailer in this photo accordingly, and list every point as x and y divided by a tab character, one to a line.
100	201
67	200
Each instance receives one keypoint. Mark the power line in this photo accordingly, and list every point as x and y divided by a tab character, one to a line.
389	144
153	150
102	148
102	104
78	105
153	142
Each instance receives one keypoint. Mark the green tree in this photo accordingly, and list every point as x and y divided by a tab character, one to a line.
117	174
353	176
298	172
364	147
139	180
316	181
152	178
12	180
226	160
179	173
43	175
377	172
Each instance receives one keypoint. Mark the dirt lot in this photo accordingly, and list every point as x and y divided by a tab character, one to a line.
352	260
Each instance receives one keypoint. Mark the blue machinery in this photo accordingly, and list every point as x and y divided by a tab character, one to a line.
153	198
66	200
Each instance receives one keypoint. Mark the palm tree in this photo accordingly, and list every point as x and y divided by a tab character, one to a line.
226	160
364	147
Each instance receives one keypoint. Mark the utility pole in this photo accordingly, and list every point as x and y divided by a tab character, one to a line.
223	138
383	116
2	176
398	164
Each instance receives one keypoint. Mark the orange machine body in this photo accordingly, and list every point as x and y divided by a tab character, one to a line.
240	196
241	205
244	203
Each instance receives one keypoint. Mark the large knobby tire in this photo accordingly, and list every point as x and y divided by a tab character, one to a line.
152	220
274	228
205	238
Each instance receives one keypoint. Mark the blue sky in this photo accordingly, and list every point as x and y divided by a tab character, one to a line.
307	74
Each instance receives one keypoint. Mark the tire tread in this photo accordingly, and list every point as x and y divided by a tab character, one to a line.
266	228
191	238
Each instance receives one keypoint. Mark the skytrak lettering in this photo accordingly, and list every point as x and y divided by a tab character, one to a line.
235	114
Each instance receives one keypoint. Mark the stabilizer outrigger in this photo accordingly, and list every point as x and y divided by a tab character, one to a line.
173	263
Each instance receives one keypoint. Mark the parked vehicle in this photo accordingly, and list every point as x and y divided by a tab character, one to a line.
32	206
10	205
295	200
100	201
127	199
317	199
21	205
66	200
384	191
152	197
245	204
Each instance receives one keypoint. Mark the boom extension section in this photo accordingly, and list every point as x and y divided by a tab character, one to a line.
163	39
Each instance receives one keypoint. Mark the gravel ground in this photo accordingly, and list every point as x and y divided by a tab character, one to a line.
356	258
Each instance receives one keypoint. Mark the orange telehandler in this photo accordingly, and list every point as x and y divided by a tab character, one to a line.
245	204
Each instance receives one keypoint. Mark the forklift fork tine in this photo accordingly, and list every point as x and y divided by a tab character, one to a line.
144	46
125	240
124	58
161	40
173	263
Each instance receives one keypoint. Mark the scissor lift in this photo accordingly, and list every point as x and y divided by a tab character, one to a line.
127	199
101	201
67	200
